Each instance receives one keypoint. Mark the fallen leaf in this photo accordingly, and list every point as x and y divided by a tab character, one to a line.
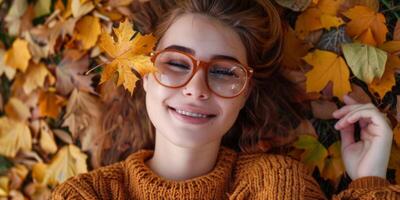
78	8
4	181
295	5
17	175
334	167
328	21
323	109
47	142
69	161
82	117
366	25
70	75
126	55
17	110
294	49
50	104
358	94
332	40
308	21
37	191
366	62
35	77
18	55
14	136
372	4
87	30
4	68
392	47
314	154
327	66
387	81
13	17
42	7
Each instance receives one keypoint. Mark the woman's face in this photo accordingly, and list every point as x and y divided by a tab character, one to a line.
178	113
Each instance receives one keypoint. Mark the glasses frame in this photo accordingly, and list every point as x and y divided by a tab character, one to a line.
198	64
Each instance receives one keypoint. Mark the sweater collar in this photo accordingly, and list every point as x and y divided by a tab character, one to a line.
146	184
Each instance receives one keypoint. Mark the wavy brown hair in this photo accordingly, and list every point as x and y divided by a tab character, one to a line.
273	107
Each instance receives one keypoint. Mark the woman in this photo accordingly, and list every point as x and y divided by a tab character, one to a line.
218	80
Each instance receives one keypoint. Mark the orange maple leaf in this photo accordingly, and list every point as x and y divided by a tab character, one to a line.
366	25
327	66
126	55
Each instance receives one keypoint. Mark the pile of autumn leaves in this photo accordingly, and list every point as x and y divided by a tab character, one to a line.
51	111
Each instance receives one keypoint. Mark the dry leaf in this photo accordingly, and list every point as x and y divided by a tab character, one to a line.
14	136
294	49
4	181
327	67
87	30
18	55
13	18
332	40
385	84
314	154
323	109
366	25
126	55
70	75
4	68
358	94
42	7
366	62
334	167
396	33
308	21
50	104
68	162
47	142
17	110
83	118
35	77
295	5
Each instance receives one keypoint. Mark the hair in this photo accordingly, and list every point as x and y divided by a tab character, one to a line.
273	107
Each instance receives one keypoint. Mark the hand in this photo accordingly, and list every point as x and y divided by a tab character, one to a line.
370	155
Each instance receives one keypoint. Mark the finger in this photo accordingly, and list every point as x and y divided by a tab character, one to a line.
347	136
344	121
374	117
345	110
348	100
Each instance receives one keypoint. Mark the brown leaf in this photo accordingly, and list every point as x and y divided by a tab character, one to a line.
70	75
358	94
323	109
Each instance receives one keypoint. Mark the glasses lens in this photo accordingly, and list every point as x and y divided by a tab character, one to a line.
226	78
173	68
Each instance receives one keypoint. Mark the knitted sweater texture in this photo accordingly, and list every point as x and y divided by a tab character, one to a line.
235	176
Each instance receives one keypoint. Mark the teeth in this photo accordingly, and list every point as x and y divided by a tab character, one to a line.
198	115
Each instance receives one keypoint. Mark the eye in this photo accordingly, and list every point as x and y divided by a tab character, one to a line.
223	71
178	65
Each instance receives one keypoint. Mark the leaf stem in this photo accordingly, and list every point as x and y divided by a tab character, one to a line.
387	5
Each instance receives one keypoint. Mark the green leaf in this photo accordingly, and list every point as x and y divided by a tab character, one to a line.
315	153
366	62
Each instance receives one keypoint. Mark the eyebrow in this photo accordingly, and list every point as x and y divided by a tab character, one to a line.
193	52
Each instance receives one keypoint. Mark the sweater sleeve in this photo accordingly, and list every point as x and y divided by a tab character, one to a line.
79	187
365	188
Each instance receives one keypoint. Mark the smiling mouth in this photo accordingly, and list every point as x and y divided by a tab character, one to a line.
192	114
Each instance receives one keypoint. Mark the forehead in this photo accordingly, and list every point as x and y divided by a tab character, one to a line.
205	35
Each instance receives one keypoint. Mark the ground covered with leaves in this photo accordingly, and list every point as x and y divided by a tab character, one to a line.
62	60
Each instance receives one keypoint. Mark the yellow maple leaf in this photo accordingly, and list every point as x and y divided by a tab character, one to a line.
387	81
327	66
87	30
18	55
366	25
308	21
126	54
68	162
14	136
47	142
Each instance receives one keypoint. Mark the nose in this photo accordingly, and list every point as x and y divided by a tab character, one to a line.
197	86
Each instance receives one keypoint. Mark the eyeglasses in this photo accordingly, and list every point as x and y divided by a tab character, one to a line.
225	78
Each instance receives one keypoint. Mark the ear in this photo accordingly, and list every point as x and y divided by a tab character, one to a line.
145	81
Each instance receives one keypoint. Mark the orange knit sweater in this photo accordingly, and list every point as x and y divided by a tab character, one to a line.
235	176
